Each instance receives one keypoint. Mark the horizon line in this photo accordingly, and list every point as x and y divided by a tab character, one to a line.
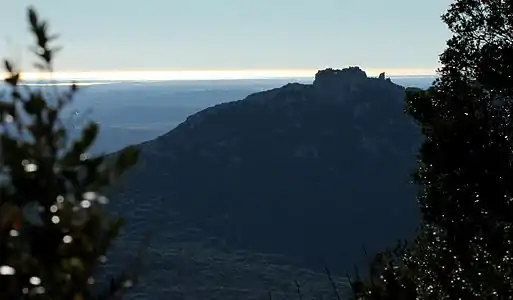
167	75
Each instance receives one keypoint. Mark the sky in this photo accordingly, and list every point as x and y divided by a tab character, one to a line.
114	36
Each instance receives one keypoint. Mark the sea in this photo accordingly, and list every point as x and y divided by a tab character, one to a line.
131	112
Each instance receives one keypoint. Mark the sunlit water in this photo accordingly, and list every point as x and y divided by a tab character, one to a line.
132	112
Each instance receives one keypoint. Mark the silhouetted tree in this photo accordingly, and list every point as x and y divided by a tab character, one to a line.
464	249
53	231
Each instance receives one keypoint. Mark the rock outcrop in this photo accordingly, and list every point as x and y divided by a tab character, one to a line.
311	172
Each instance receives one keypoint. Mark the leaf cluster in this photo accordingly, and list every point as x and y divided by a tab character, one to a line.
54	232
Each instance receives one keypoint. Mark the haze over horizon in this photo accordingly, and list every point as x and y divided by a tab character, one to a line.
201	74
250	39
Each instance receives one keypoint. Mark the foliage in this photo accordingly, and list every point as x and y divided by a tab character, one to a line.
54	233
464	247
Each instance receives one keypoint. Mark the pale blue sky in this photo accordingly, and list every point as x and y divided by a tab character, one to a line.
233	34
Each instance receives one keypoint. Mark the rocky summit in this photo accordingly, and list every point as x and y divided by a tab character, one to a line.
244	196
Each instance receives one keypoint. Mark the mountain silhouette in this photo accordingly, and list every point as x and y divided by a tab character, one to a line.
310	173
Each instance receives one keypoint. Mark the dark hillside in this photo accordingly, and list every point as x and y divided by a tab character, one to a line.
311	172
